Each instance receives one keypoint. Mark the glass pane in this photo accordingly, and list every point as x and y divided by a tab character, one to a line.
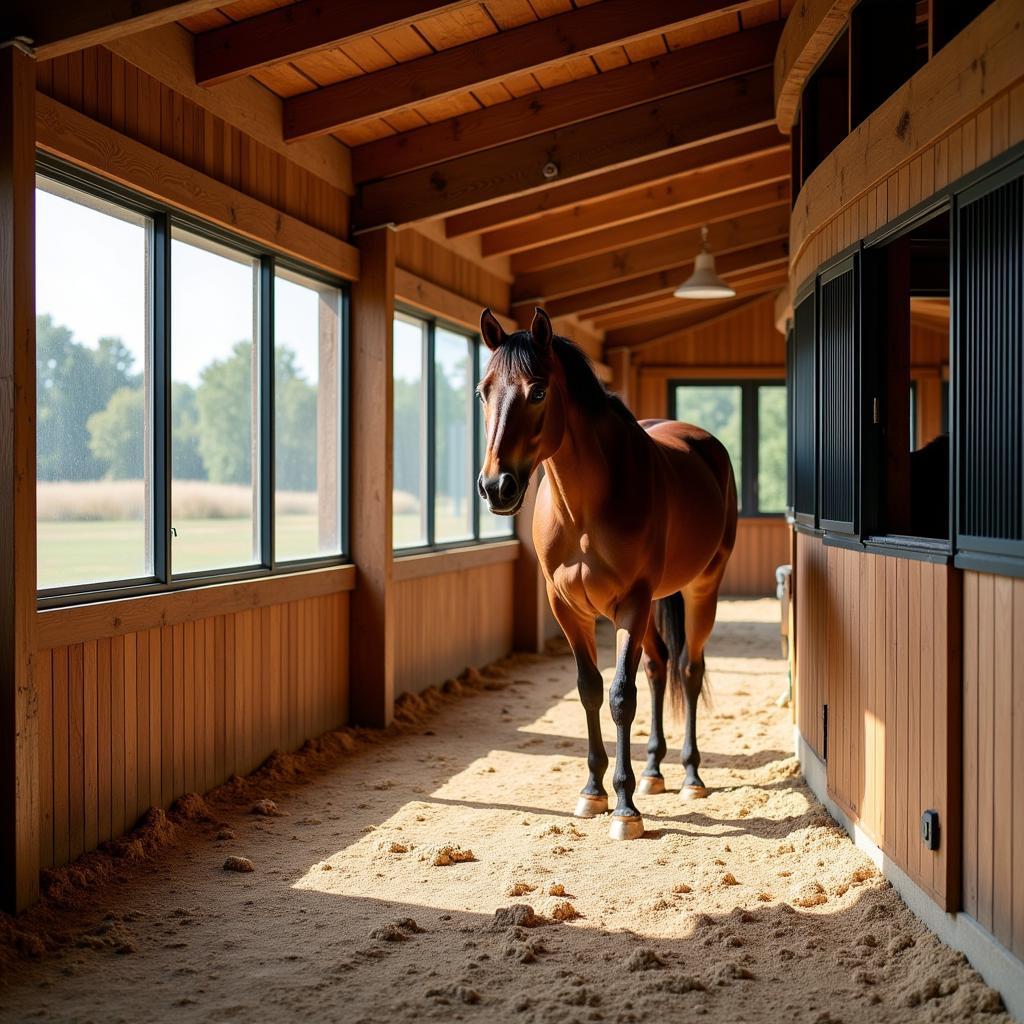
409	511
771	448
93	331
490	524
717	408
214	443
453	419
307	410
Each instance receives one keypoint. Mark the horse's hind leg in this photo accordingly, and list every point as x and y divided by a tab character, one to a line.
701	606
593	799
655	665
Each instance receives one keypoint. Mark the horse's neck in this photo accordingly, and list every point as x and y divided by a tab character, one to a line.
587	464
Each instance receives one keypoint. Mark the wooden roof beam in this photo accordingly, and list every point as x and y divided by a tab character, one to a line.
637	260
693	215
285	33
57	27
588	303
701	185
735	105
576	33
575	101
581	193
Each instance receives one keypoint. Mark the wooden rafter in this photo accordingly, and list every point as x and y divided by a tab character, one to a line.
588	303
701	185
693	215
661	254
734	105
581	192
576	33
56	27
289	32
565	104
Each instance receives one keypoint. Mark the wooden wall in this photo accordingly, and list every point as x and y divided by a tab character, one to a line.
110	90
762	545
878	642
137	719
993	756
446	622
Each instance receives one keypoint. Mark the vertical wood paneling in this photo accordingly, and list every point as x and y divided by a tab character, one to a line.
427	649
874	643
138	720
993	751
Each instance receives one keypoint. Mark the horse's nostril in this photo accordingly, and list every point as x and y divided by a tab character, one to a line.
507	487
481	488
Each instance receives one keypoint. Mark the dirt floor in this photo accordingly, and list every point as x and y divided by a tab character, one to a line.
366	904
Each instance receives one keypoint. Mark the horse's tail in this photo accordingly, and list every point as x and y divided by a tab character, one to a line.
670	622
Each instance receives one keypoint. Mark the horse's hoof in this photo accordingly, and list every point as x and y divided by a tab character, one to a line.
626	826
650	785
693	792
590	806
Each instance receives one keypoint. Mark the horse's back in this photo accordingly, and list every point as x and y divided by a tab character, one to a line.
685	439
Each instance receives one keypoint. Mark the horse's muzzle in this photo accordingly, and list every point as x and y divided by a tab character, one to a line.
503	493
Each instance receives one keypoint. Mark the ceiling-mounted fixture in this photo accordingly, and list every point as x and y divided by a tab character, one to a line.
704	283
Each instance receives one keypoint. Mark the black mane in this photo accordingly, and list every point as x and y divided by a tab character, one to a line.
519	356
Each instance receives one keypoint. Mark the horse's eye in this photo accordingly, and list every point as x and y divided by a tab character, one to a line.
537	395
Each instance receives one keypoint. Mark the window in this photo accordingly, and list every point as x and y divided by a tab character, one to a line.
906	465
438	437
749	418
94	344
185	431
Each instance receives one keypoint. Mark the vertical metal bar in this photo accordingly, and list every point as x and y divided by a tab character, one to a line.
429	380
748	447
475	426
162	454
265	427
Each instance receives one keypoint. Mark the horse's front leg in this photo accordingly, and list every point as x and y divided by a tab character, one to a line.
579	631
631	620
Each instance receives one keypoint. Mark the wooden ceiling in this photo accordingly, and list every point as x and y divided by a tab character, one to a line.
580	143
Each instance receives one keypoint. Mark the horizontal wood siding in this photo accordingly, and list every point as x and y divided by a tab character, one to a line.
993	737
889	672
762	545
136	720
108	89
446	622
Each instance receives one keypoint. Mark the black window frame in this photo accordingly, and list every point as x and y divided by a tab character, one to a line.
163	579
432	322
750	434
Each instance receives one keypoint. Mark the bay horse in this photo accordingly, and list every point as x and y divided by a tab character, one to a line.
633	520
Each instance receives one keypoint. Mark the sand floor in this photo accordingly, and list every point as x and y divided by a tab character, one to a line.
749	906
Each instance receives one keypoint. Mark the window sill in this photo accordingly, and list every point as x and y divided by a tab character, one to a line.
995	565
58	627
918	549
418	565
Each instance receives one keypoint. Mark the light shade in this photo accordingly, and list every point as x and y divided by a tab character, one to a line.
704	283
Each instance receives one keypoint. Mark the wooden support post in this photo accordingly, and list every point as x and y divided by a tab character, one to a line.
371	687
619	360
19	752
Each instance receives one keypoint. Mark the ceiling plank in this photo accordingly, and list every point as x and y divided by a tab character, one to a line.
285	33
57	27
576	33
732	106
565	104
700	185
719	208
588	303
699	315
617	182
647	257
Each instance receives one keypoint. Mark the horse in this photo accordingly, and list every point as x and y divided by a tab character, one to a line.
634	521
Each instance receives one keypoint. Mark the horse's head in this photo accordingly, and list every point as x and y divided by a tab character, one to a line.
524	409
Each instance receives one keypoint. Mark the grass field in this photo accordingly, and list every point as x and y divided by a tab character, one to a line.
91	552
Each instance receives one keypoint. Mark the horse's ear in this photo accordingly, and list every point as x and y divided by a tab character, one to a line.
541	329
491	331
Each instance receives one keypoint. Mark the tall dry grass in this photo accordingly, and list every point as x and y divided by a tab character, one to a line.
66	501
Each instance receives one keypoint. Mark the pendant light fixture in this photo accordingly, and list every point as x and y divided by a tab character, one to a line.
704	283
